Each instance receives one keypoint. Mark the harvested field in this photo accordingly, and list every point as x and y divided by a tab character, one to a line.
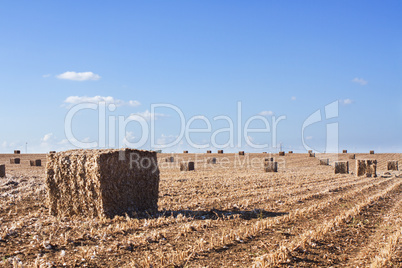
228	214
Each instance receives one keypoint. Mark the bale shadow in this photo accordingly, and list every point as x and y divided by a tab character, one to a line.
214	214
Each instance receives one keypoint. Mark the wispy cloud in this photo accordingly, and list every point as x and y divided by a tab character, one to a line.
84	76
166	139
293	98
346	101
147	115
266	113
46	75
47	137
359	81
72	100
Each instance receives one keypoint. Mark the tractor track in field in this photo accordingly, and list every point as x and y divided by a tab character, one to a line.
278	233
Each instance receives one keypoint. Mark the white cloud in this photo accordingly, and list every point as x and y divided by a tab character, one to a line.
360	81
72	100
78	76
147	115
266	113
293	98
346	101
64	142
166	139
47	137
309	137
134	103
46	75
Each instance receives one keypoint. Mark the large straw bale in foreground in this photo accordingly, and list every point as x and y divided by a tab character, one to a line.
102	182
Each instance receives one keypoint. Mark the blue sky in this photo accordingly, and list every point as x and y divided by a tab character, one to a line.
277	58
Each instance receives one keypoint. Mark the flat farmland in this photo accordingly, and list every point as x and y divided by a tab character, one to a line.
228	214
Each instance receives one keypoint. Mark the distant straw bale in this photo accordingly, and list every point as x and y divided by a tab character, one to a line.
15	160
2	171
371	152
281	153
241	153
169	159
98	183
35	163
270	166
17	151
186	166
324	162
345	151
366	167
392	165
220	151
341	167
211	160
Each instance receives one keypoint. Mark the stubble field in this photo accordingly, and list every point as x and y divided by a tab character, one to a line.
231	214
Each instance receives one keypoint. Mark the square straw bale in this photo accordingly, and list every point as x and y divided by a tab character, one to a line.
392	165
324	162
35	163
211	160
102	183
341	167
270	166
15	160
2	171
366	167
186	166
